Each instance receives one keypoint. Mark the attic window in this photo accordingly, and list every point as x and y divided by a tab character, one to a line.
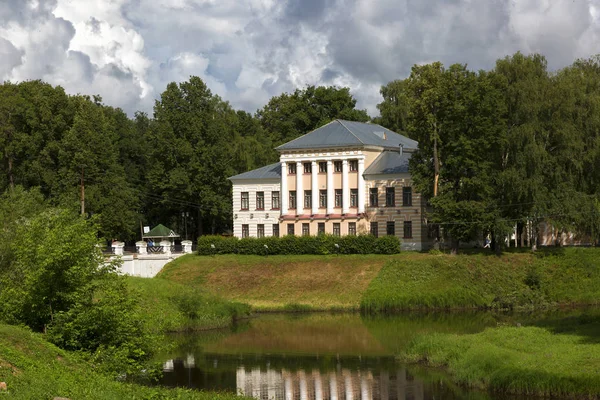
381	134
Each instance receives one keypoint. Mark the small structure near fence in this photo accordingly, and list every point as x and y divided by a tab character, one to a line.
151	254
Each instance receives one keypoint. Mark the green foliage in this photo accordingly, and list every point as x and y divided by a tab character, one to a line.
105	323
291	115
290	244
55	255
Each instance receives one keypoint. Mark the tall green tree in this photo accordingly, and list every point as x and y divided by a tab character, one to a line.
290	115
394	107
190	157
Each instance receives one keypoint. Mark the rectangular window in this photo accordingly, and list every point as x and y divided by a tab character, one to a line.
290	229
321	228
307	167
260	200
260	230
407	196
323	167
292	199
307	198
245	231
338	197
322	198
353	164
337	166
374	229
353	197
336	229
390	228
275	201
305	230
351	228
390	197
245	201
276	230
407	229
292	168
373	197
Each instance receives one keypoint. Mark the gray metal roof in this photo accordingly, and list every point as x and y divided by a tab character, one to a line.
341	133
389	162
272	171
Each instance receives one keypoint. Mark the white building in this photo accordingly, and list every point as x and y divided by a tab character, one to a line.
342	178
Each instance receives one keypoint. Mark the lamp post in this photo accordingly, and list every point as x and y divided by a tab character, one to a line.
185	214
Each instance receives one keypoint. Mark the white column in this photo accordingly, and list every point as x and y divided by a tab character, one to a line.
330	191
303	385
314	188
345	188
283	195
299	189
318	385
333	389
361	186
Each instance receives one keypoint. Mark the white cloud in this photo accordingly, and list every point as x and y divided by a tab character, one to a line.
250	50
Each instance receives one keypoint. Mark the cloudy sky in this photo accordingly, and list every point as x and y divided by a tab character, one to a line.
250	50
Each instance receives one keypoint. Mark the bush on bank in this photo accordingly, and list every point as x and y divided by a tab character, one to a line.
297	245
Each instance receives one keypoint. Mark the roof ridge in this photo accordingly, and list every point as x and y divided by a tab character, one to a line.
307	133
348	129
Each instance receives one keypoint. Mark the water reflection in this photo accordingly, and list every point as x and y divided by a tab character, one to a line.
315	385
285	377
344	356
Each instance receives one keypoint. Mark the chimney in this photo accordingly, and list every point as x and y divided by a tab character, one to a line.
400	148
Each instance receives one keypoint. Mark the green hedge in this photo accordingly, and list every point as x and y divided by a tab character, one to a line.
290	244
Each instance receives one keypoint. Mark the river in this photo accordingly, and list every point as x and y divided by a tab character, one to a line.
327	356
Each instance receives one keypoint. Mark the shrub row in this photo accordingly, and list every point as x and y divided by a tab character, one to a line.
290	244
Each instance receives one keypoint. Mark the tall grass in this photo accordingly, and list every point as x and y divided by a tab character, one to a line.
518	360
570	276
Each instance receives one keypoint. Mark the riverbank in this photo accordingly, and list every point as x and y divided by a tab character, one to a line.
167	306
383	283
556	277
560	360
32	368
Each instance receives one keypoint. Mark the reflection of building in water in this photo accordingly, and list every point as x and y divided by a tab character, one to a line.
272	384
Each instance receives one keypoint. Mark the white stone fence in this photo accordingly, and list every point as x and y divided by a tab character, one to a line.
164	247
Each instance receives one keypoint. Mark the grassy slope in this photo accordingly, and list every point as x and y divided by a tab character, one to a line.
520	360
405	281
166	306
571	276
322	282
35	369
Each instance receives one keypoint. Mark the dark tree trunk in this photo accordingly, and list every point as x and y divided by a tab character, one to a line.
454	246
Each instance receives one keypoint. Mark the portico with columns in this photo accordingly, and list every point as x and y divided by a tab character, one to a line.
322	180
329	182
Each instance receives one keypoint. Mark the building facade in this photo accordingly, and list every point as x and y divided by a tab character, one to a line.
343	178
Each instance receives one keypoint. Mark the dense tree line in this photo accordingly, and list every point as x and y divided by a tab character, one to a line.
514	145
168	168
